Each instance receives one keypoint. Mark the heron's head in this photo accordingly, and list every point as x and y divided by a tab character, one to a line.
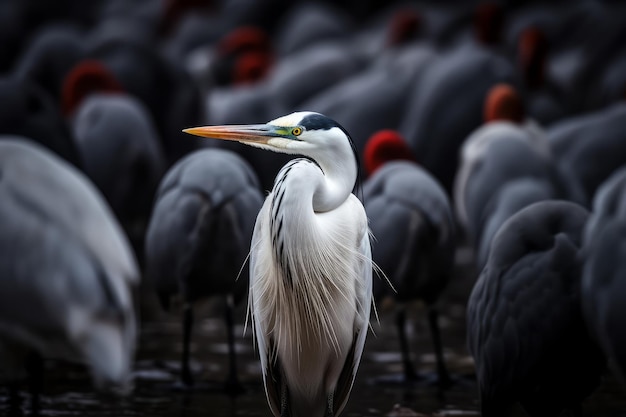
303	133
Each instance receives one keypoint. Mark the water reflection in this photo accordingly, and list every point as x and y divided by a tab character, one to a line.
377	391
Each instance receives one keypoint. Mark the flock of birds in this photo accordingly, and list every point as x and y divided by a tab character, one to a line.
423	127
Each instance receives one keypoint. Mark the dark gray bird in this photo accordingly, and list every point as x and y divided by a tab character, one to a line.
524	321
591	146
308	23
163	87
504	160
13	30
513	196
438	118
120	152
411	217
503	120
496	155
51	54
28	110
603	286
199	237
66	271
544	100
491	184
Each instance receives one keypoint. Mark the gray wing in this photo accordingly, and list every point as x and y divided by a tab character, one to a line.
603	290
603	286
62	250
416	188
437	139
524	320
202	223
408	209
591	148
39	179
117	131
392	229
511	198
504	161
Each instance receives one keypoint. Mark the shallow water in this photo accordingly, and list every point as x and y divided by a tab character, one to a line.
377	389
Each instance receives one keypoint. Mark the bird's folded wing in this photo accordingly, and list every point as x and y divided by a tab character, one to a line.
361	324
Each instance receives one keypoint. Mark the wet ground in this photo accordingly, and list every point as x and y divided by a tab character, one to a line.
68	389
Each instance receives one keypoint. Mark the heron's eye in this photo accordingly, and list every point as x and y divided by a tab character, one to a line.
296	131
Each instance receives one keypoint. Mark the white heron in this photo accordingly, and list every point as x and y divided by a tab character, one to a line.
310	265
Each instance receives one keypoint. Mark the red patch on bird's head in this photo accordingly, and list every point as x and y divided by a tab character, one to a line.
85	78
503	103
405	26
532	54
385	146
244	39
488	22
251	67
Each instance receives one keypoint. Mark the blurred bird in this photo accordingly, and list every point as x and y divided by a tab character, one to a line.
120	152
306	72
506	164
411	217
199	237
63	252
162	86
510	198
437	119
603	286
118	145
13	31
591	146
600	80
232	57
544	99
51	54
113	129
504	119
503	163
310	265
524	320
309	23
488	21
28	110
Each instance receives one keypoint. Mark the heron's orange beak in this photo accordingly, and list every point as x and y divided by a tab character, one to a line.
241	133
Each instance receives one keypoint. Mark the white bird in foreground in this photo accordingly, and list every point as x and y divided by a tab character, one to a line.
310	265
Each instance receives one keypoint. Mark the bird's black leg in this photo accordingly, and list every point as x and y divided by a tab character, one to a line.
330	406
433	320
185	370
232	384
409	371
284	400
34	366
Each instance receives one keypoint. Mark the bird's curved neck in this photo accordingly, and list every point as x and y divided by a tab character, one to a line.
336	183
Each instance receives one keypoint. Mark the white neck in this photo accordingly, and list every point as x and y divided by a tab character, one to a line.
340	173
